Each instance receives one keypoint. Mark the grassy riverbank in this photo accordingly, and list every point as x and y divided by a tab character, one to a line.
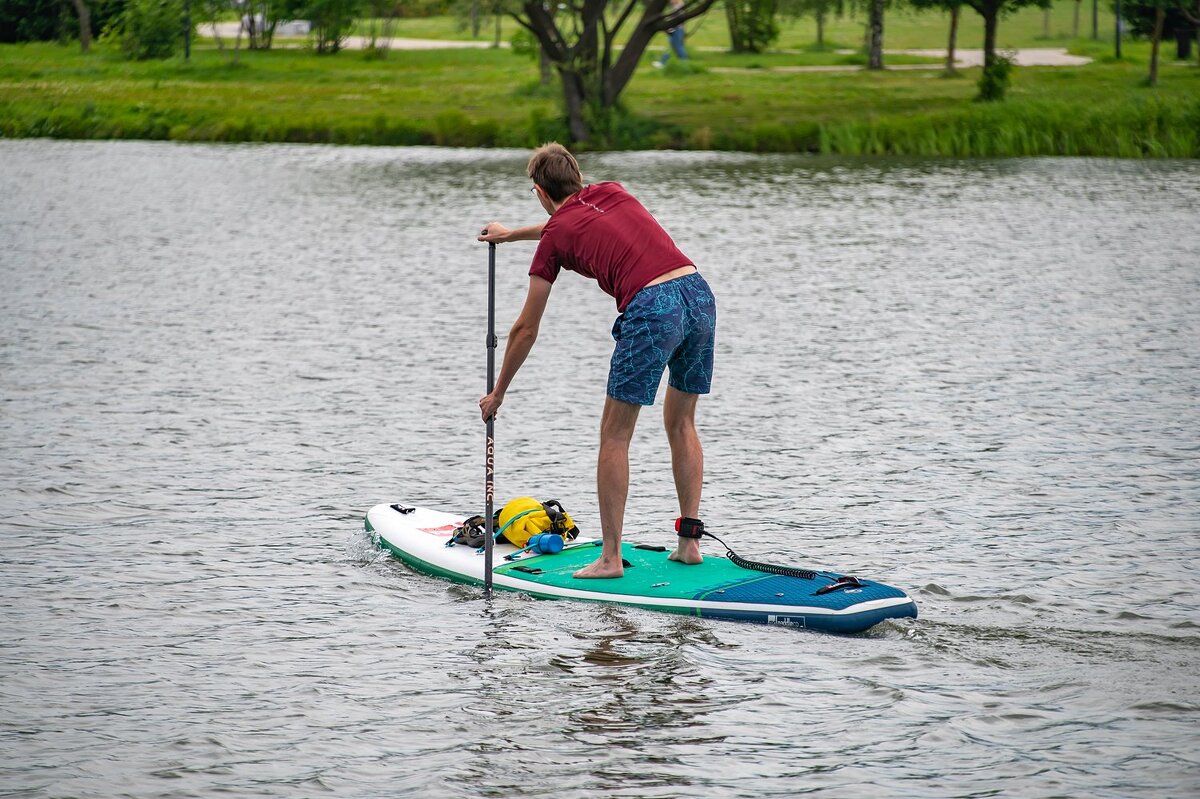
492	98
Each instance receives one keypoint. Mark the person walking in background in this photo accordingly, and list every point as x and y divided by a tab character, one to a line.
675	36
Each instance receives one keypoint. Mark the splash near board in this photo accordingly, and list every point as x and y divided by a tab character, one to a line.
718	588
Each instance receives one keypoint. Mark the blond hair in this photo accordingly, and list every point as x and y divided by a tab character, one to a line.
554	169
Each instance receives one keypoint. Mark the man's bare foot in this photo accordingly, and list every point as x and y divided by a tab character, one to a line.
602	569
687	552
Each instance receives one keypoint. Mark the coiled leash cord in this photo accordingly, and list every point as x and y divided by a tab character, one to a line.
694	528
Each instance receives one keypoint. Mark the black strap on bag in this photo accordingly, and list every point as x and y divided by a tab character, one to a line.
558	520
473	531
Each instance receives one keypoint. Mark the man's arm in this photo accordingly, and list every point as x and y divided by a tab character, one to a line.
520	341
494	231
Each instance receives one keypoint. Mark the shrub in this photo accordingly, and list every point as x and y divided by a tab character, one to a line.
994	81
148	29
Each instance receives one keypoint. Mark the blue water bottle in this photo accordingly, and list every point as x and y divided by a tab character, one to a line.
545	543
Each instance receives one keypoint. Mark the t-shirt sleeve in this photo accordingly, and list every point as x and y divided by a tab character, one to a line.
545	261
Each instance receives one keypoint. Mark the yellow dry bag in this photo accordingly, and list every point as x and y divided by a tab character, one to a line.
525	517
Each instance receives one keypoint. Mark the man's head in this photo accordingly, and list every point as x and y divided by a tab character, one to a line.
555	171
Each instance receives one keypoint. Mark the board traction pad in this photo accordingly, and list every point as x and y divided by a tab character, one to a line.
652	575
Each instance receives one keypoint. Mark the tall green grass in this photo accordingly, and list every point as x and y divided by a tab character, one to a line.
1134	128
491	99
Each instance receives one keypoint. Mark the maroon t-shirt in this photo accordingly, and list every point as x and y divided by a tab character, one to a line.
603	233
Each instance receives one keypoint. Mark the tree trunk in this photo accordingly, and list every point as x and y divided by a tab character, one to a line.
952	44
1096	20
85	24
617	76
544	64
496	44
990	23
821	26
875	51
573	98
1075	22
1160	14
583	53
1046	23
475	19
733	18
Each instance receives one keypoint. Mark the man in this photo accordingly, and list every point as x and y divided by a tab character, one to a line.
675	37
667	321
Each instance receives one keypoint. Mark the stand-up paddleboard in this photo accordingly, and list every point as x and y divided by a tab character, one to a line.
718	588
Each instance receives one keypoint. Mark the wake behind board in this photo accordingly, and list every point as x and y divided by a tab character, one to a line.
714	589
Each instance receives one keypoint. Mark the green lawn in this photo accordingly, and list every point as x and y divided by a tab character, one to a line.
904	28
488	97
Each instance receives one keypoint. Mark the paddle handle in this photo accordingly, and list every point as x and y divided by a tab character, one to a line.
490	448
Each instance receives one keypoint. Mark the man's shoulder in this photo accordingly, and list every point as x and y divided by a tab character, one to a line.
604	187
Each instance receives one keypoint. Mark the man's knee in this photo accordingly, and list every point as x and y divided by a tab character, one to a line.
679	412
618	421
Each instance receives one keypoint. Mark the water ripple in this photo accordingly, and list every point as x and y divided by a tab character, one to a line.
976	380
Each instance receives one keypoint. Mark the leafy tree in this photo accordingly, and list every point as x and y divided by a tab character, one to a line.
955	9
752	25
379	26
1156	19
331	22
212	12
149	29
993	83
820	11
471	13
259	18
578	38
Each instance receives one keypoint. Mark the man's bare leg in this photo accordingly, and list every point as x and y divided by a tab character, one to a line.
612	484
687	463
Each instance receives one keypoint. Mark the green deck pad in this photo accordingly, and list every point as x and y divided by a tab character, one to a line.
651	574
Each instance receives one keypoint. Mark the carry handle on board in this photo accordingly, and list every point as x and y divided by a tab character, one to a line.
489	460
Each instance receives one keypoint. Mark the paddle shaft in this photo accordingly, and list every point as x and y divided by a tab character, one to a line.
490	450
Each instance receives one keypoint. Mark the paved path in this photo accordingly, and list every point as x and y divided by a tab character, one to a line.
229	30
1029	57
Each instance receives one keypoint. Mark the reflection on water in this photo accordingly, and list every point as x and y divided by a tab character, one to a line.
975	380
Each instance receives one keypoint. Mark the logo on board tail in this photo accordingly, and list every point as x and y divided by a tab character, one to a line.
786	621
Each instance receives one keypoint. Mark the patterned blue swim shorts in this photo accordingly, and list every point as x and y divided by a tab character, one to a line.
672	326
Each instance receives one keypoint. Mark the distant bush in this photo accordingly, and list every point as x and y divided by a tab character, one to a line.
332	21
148	29
994	81
524	44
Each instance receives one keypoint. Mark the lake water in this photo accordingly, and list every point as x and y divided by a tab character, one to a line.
977	381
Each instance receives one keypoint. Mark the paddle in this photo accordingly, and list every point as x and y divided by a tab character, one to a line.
490	450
